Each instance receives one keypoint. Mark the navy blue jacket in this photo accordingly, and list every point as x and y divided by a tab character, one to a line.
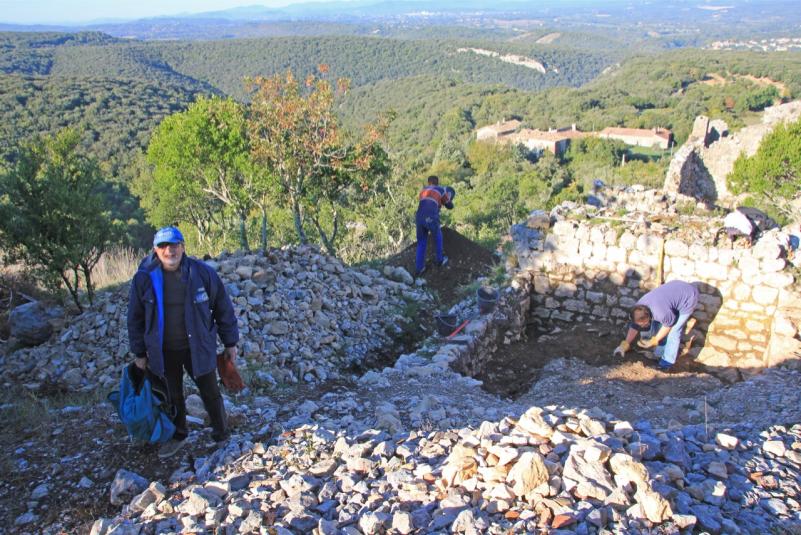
208	311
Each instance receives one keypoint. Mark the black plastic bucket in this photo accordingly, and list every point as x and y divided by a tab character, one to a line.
487	297
446	323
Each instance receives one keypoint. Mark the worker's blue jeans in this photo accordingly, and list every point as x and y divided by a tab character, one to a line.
424	226
670	351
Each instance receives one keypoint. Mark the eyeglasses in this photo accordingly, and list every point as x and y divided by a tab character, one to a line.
165	245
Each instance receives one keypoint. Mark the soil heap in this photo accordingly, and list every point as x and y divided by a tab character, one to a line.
467	261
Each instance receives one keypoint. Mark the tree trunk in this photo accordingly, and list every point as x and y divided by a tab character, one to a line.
263	229
298	218
328	241
73	289
243	232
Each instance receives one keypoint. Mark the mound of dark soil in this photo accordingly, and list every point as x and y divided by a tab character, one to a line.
467	260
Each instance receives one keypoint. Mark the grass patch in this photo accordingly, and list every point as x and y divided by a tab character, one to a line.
116	266
27	414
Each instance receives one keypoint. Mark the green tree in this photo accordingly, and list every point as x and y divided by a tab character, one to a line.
773	174
52	214
316	166
205	151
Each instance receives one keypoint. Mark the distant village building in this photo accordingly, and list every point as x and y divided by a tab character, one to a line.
495	131
655	137
555	140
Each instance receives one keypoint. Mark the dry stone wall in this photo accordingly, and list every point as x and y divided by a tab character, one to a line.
580	269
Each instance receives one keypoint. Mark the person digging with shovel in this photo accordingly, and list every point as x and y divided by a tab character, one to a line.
432	198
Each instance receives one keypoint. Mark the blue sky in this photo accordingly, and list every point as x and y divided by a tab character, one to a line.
63	11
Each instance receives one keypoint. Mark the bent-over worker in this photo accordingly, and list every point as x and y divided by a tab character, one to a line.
659	318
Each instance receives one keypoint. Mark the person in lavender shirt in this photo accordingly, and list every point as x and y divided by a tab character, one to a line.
659	318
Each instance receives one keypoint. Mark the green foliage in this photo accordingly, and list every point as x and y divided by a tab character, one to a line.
52	215
115	92
201	162
312	163
773	174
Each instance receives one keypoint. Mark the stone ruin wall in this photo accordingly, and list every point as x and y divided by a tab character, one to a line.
699	168
748	310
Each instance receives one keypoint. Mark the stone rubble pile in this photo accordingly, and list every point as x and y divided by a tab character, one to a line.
551	470
303	316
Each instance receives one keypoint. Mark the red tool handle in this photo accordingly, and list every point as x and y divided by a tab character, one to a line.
459	328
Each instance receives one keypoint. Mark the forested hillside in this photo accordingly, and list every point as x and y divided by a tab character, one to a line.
667	90
115	92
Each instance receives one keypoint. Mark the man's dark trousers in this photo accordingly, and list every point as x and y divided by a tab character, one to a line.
175	362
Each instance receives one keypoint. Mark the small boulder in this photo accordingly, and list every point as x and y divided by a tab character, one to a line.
30	323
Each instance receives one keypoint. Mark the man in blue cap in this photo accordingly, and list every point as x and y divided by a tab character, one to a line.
176	309
432	198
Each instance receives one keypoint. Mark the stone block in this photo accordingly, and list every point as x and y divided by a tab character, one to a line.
699	252
753	325
741	292
616	254
544	262
574	305
618	279
564	228
627	240
738	334
765	295
551	303
712	357
710	271
779	280
749	266
565	289
636	258
772	266
595	297
619	313
676	248
599	250
610	237
752	307
627	302
600	311
725	257
562	315
782	326
649	244
722	342
542	283
767	250
597	235
684	269
569	246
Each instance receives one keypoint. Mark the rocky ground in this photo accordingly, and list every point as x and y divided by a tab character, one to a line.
404	451
592	445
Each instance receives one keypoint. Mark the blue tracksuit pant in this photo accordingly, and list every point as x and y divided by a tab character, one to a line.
426	224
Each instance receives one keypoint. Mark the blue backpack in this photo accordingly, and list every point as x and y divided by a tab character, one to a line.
143	413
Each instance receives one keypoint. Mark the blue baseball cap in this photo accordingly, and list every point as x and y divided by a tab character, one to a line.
168	235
